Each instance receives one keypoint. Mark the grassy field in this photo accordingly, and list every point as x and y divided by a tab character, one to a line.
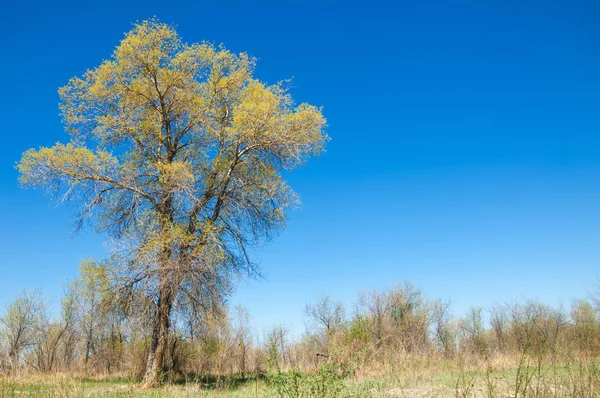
71	386
53	386
498	380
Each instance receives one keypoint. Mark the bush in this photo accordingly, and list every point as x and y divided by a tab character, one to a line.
326	381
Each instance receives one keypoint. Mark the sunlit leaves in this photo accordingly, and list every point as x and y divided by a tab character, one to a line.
180	149
67	164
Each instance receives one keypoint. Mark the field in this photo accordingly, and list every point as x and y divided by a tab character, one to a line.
397	343
414	379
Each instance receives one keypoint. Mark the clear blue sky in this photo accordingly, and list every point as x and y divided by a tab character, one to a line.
465	152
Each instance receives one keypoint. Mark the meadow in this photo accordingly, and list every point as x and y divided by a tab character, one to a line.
393	343
443	379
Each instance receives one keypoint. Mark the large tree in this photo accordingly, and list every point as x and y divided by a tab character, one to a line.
178	149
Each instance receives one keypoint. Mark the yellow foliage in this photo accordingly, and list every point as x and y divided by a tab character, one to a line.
179	148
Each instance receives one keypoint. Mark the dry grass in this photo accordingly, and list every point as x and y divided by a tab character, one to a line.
500	377
71	385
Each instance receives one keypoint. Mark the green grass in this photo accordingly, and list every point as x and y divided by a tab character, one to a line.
122	389
410	381
51	387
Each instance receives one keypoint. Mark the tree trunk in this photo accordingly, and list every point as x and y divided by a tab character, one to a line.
166	287
160	337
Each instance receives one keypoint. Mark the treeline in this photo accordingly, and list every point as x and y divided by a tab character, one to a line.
98	331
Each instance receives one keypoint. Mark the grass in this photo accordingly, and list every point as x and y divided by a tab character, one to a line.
53	386
411	380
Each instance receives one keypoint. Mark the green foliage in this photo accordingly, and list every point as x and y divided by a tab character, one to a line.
356	330
326	381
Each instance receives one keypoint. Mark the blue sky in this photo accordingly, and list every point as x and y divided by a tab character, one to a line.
465	151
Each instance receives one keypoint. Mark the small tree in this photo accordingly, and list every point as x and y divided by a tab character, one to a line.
276	346
585	327
325	313
91	299
243	337
71	335
372	312
473	329
442	334
178	149
409	317
21	324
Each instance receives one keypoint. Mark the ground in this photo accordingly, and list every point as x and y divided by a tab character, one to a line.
437	381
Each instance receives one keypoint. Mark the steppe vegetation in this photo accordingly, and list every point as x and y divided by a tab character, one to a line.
394	343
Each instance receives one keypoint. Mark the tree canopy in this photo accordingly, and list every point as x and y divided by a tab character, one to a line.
177	149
